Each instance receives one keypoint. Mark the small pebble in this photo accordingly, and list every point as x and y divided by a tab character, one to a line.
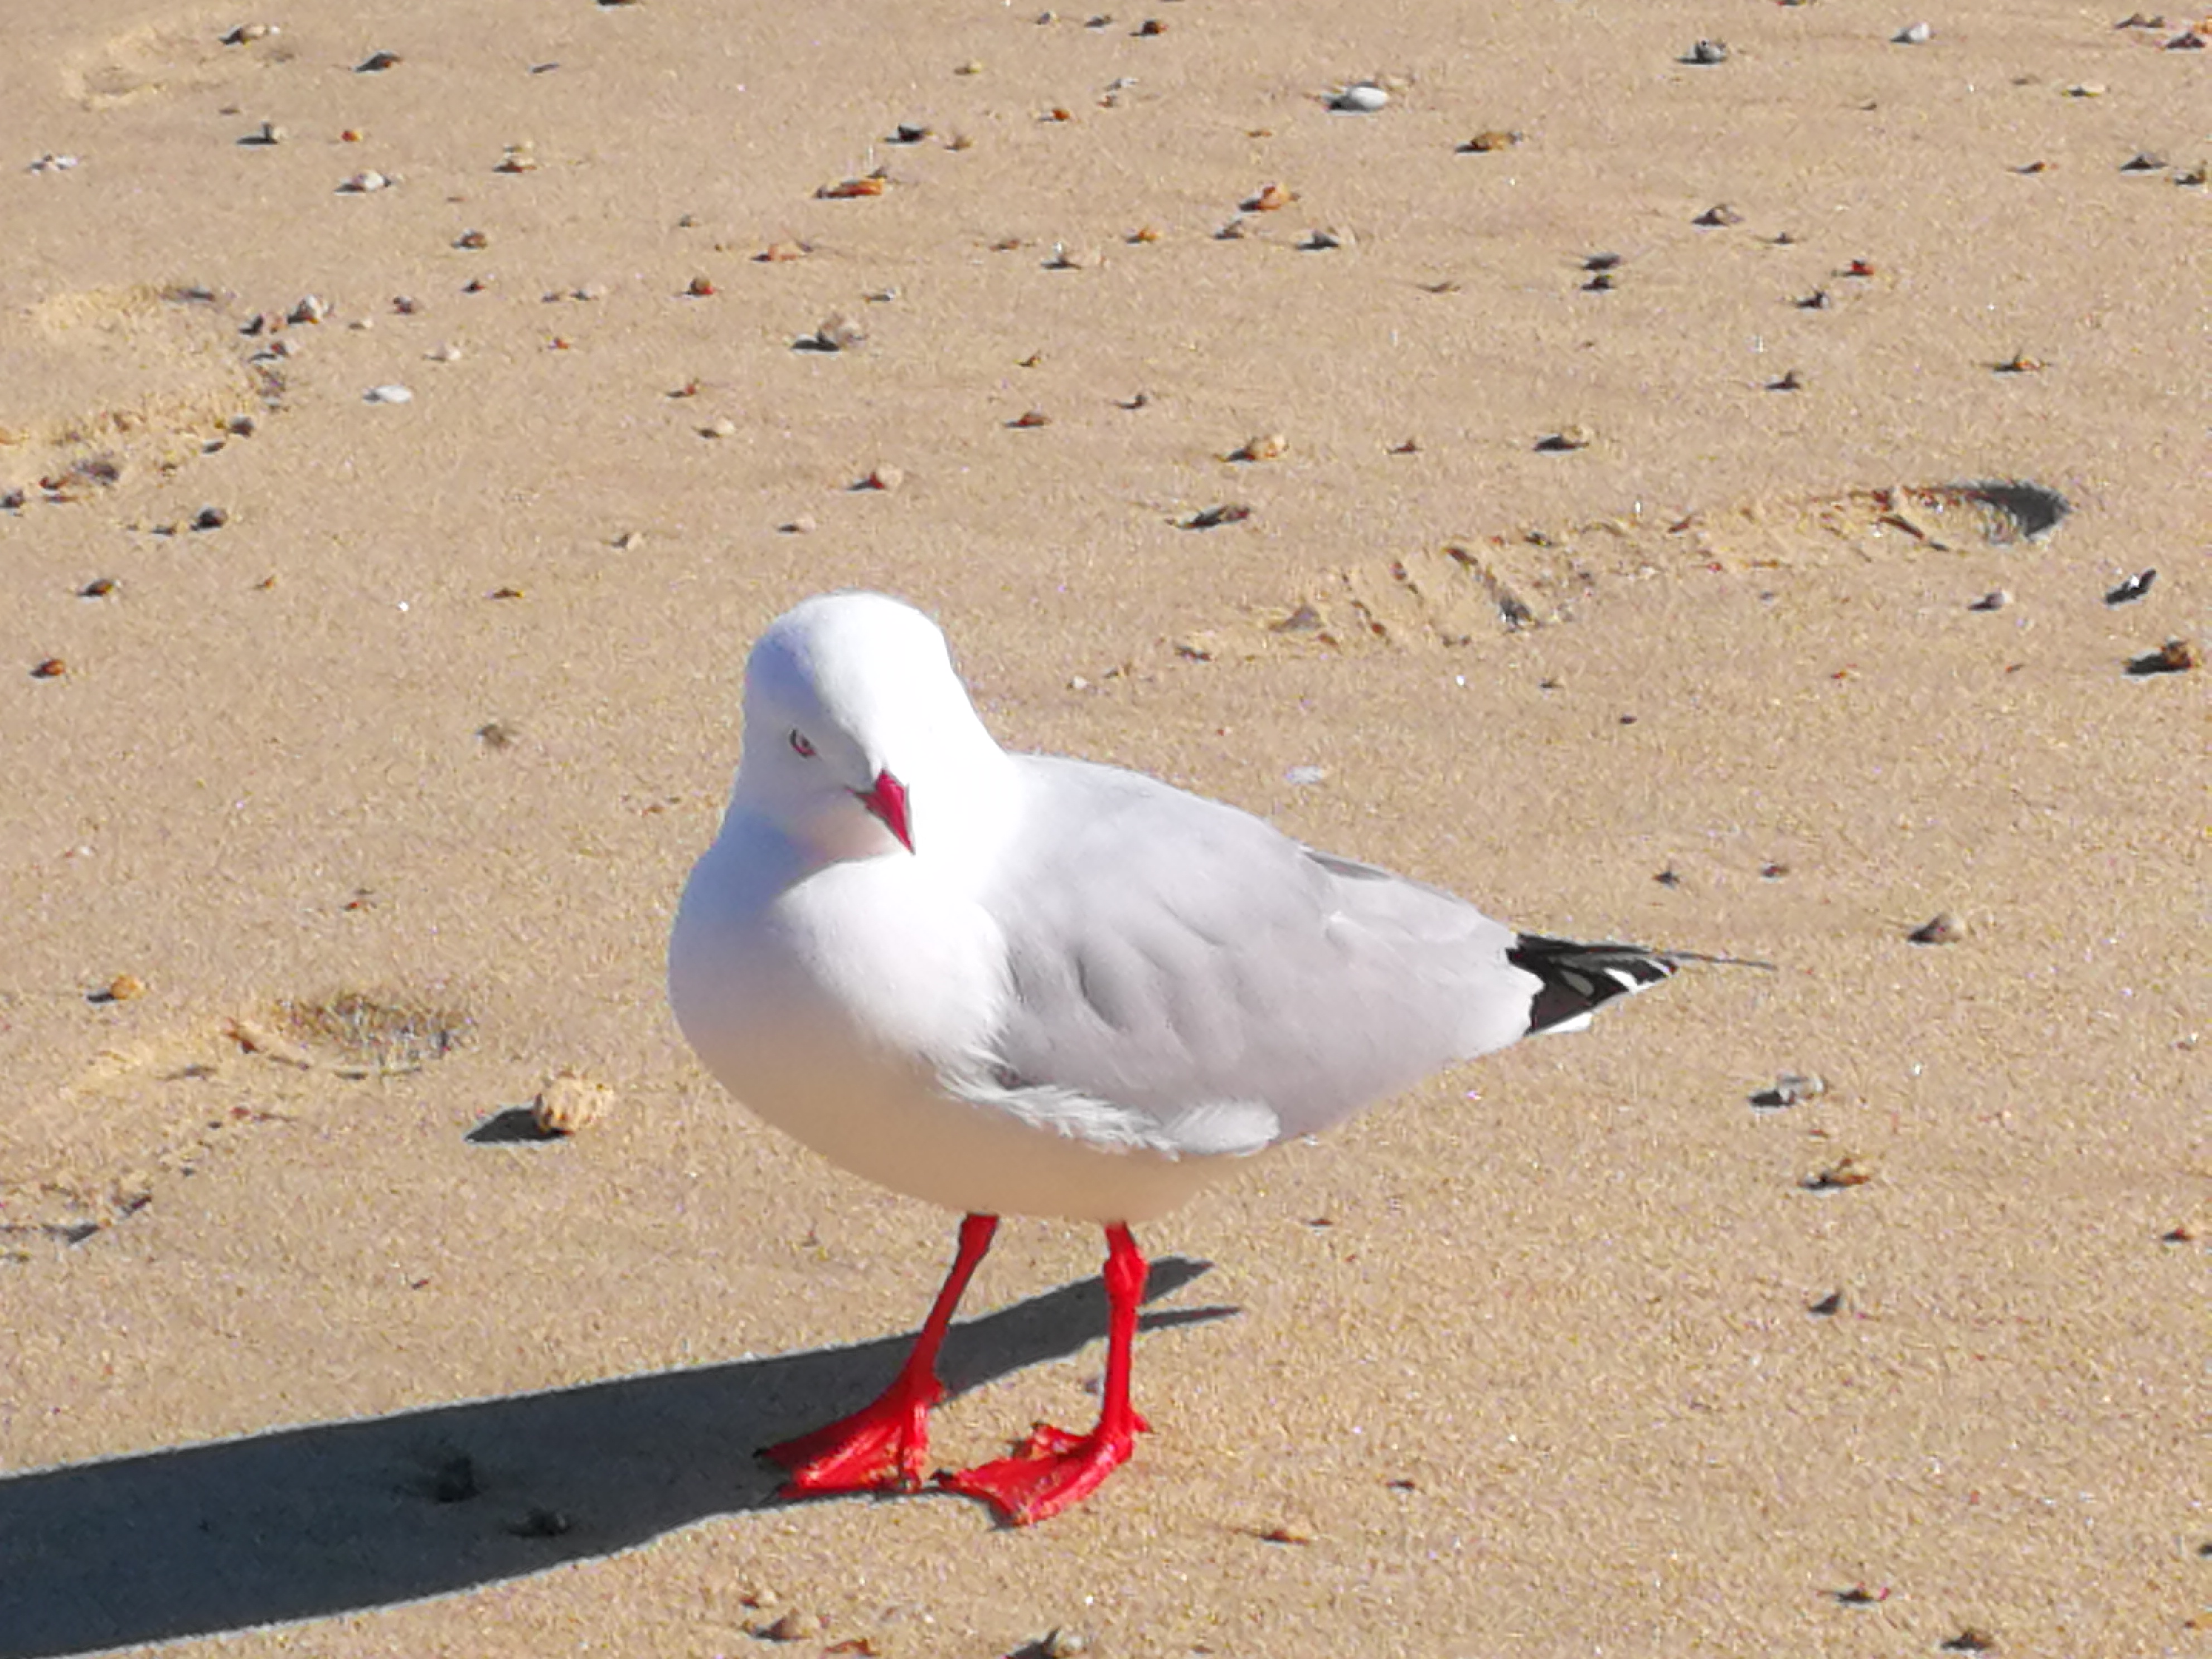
248	32
376	63
472	238
1719	214
1996	599
1941	928
720	427
1827	1306
790	1627
1265	446
1707	53
1360	98
1574	435
210	518
1484	143
363	182
51	668
98	588
388	394
312	308
446	353
571	1102
1912	34
629	541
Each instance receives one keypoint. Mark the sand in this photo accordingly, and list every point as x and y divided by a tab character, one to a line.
333	830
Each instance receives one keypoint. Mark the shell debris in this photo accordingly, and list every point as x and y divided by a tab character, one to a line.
571	1102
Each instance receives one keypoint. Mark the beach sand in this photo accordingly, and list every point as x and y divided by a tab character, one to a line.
335	827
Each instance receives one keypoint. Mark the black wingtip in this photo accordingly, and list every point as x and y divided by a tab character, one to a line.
1575	979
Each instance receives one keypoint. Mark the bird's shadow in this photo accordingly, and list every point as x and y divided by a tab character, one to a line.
304	1522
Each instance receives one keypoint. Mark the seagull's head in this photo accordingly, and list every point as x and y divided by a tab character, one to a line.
852	706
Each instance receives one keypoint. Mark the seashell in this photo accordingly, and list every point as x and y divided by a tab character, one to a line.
723	427
363	182
124	988
1705	53
376	63
519	158
839	332
885	477
1912	34
246	33
1720	213
472	238
1494	139
446	353
312	308
571	1102
1360	98
387	394
1270	199
1266	446
1574	435
778	253
1034	417
848	189
51	668
700	288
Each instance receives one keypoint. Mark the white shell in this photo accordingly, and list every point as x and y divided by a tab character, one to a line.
1360	98
388	394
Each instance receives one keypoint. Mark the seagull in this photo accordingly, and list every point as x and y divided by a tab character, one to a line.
1022	984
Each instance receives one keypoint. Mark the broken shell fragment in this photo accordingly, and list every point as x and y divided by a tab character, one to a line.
1360	98
1941	928
2176	656
1573	435
1266	446
1494	138
1789	1090
571	1102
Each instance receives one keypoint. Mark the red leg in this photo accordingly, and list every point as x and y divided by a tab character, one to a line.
1053	1470
881	1447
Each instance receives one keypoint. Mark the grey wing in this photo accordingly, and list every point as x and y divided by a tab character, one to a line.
1181	959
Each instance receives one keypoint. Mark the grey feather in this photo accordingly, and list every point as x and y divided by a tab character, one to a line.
1169	954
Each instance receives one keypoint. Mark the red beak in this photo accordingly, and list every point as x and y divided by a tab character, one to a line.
887	801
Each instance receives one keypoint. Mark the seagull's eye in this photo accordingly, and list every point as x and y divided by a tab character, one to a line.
800	747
